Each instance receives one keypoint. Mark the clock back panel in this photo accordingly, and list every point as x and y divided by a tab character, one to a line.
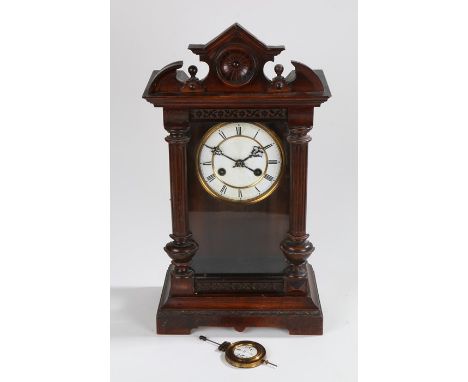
234	237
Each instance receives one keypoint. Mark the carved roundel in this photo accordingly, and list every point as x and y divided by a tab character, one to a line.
235	66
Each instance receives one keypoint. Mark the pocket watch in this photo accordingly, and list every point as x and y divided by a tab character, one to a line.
243	354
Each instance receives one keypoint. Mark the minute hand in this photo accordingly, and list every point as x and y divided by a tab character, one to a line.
254	153
250	156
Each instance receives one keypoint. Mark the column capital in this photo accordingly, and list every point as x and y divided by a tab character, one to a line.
300	122
298	135
176	123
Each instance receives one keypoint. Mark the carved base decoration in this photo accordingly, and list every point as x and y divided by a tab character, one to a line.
221	285
299	314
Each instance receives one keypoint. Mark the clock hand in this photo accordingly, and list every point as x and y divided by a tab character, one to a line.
248	168
257	151
257	171
228	157
217	151
240	162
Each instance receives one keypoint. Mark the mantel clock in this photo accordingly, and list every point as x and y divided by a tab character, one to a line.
238	146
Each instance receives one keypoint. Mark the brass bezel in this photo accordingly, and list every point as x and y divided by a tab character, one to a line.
259	198
254	361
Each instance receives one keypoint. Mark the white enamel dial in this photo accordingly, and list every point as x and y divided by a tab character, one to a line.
245	351
240	161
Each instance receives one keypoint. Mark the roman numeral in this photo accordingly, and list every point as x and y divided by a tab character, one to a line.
239	130
210	177
257	189
255	136
223	190
209	163
239	193
272	161
268	146
269	177
222	134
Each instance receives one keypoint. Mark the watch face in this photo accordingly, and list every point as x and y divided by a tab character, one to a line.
245	351
245	354
240	161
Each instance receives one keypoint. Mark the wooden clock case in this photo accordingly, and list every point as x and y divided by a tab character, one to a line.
235	264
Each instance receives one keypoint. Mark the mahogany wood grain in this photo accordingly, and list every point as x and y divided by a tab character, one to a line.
237	264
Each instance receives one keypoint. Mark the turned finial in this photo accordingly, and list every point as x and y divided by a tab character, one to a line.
279	69
192	69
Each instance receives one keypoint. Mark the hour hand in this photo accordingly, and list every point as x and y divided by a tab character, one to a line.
217	151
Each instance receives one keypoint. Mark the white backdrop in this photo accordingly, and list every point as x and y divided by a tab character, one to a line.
147	35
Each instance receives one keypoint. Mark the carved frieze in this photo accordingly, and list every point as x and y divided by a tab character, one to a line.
238	114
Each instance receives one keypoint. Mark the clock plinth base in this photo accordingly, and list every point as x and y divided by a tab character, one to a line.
299	313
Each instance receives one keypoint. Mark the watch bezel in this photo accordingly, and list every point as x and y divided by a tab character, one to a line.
254	361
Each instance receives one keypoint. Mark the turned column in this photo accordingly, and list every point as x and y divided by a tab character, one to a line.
182	248
296	246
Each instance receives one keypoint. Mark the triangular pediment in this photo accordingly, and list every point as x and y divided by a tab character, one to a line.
236	33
